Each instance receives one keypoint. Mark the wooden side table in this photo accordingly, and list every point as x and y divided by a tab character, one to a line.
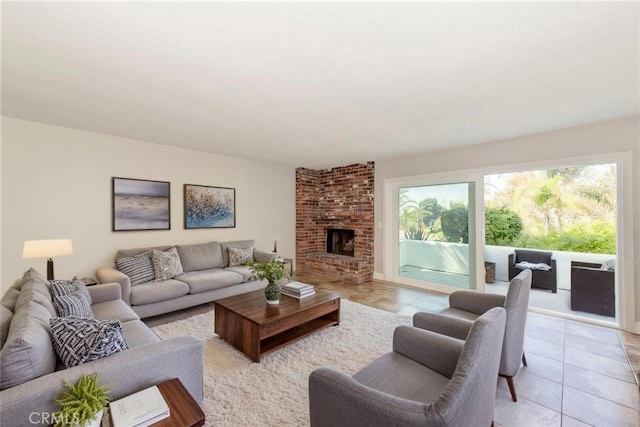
184	411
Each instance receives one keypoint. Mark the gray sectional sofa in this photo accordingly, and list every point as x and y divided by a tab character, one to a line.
207	275
32	375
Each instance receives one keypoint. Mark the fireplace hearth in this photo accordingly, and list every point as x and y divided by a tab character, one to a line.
340	241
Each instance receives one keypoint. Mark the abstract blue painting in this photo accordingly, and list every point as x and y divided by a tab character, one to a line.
209	207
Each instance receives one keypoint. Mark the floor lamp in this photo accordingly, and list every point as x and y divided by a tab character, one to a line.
47	249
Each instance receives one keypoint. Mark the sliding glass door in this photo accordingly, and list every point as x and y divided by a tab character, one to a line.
436	244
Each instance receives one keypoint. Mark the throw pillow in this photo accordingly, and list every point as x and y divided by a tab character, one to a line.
73	305
77	341
166	265
240	256
262	256
68	287
609	265
139	268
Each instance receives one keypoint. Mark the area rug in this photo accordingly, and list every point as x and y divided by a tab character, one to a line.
238	392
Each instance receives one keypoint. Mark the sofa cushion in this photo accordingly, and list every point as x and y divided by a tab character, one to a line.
78	341
239	256
114	310
10	298
32	274
243	270
201	257
73	305
206	280
147	293
28	351
139	267
69	287
137	333
5	321
262	256
241	244
166	264
28	294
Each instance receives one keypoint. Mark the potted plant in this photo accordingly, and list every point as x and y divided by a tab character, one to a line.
82	404
272	271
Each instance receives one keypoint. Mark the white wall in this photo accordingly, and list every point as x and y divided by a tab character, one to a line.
601	138
56	183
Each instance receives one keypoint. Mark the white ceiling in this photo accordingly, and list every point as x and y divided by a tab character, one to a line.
320	84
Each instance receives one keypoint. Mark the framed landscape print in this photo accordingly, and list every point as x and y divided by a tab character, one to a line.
139	204
209	207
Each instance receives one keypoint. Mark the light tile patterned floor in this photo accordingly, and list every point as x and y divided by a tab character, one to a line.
577	374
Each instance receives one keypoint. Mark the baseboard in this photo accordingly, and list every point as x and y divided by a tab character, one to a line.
378	276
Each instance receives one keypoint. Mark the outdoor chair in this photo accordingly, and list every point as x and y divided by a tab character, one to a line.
542	265
466	306
428	380
593	289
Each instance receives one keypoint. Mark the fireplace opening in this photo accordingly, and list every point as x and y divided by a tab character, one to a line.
340	242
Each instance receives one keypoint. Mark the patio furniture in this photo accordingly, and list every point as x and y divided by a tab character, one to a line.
542	265
592	289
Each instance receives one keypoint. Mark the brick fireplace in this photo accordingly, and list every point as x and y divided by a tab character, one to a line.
334	207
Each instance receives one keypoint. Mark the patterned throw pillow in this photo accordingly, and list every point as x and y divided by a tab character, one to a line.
68	287
139	268
73	305
77	341
166	265
262	256
239	256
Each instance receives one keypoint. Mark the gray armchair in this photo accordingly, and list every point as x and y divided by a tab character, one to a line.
466	306
429	380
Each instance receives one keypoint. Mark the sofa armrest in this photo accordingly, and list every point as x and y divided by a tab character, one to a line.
336	400
111	275
105	292
443	324
124	373
475	302
435	351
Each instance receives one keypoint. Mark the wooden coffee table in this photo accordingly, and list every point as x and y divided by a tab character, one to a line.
255	328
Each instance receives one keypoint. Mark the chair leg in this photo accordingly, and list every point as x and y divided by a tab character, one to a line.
524	360
512	387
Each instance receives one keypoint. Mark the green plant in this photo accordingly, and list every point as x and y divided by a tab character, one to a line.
80	402
272	271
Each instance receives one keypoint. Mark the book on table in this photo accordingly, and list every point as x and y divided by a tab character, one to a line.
298	295
298	288
139	409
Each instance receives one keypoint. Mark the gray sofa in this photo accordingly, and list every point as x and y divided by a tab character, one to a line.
207	276
32	375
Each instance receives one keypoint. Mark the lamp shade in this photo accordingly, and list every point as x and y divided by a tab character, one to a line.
46	248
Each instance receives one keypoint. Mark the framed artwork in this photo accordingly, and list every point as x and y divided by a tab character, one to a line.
139	204
209	207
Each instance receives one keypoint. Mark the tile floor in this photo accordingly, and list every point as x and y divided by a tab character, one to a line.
577	375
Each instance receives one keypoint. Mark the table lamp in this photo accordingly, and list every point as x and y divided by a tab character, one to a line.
47	249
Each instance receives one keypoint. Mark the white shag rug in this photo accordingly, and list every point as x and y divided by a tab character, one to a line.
238	392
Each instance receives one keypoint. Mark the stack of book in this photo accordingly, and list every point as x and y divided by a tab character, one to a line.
298	290
140	409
